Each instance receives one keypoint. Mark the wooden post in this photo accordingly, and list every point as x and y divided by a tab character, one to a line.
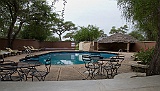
97	46
128	45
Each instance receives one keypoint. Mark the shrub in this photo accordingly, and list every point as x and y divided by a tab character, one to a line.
145	56
77	47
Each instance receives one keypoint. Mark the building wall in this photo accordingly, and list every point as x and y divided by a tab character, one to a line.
3	44
134	47
19	43
112	46
85	46
143	45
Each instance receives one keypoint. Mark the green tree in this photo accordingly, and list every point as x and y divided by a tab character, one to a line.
52	38
16	13
13	13
138	35
142	15
69	35
88	33
36	31
61	27
40	25
122	30
145	13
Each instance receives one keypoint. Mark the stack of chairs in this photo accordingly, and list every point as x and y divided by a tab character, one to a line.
112	66
91	64
9	72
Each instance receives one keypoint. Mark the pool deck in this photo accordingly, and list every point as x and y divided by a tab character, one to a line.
72	72
69	78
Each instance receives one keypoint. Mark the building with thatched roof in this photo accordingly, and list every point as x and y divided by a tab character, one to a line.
116	42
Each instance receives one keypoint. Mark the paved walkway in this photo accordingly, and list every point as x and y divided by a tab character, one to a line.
129	84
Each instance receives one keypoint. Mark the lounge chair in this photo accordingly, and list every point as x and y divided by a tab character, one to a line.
27	50
4	53
13	52
34	48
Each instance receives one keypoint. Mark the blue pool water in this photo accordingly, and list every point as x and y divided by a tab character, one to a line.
67	58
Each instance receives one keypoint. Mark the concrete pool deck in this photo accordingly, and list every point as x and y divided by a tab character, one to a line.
73	72
69	78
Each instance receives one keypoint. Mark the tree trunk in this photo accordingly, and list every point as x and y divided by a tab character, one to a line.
14	37
13	9
154	66
10	31
60	37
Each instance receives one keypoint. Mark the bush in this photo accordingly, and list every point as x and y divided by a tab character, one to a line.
77	47
145	56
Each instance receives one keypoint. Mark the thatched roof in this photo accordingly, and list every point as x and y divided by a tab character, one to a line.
118	38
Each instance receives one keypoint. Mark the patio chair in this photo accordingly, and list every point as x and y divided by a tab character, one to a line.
116	62
90	65
108	70
9	72
41	74
32	61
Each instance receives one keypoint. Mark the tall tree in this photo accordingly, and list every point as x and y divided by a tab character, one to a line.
69	35
122	30
145	13
138	35
40	24
15	13
60	27
52	38
88	33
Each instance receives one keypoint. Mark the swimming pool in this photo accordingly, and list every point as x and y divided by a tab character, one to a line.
66	58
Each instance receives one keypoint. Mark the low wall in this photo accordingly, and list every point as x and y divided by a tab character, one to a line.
58	45
143	45
19	43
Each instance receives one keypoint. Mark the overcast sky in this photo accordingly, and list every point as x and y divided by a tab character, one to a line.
101	13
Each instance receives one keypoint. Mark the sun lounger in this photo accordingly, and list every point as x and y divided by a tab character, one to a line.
13	52
34	48
4	53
